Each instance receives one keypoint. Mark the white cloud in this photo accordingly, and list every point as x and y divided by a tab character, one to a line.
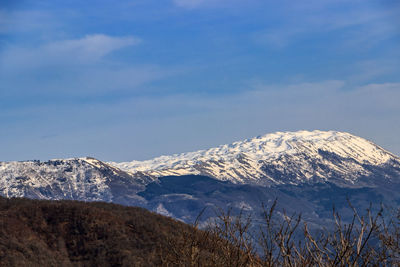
192	4
74	67
143	127
27	21
368	70
362	24
382	98
4	21
90	48
189	3
86	50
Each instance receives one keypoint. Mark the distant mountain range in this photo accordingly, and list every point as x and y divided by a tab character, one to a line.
307	172
278	158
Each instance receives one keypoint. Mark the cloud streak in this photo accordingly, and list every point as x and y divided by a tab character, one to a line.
190	4
27	21
74	67
367	25
197	4
150	126
81	76
87	50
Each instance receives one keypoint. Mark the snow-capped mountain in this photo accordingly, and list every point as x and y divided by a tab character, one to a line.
307	172
279	158
85	179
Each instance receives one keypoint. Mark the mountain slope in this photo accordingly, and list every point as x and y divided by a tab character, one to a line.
78	179
279	158
185	197
308	172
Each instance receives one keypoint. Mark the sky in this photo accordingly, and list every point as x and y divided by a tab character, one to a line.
130	80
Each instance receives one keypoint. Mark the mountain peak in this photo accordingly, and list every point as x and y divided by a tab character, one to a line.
296	156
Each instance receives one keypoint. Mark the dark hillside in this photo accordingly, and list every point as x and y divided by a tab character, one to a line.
71	233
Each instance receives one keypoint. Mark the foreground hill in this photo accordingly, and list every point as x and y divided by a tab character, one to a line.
70	233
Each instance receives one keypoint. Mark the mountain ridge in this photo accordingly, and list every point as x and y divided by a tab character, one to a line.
76	178
295	157
308	165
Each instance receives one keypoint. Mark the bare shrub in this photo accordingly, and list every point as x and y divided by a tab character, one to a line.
283	240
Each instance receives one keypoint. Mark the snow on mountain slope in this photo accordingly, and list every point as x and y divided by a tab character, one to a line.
307	171
79	179
278	158
289	158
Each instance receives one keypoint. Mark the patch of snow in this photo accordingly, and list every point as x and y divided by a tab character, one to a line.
163	211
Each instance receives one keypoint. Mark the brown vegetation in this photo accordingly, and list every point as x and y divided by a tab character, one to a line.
370	240
70	233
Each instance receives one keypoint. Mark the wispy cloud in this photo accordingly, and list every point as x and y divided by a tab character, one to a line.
86	50
363	24
192	4
89	48
74	67
81	75
150	126
27	21
189	3
368	70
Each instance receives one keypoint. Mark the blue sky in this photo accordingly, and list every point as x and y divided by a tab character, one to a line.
134	79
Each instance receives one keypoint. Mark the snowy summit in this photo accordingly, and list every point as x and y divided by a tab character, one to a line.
277	158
